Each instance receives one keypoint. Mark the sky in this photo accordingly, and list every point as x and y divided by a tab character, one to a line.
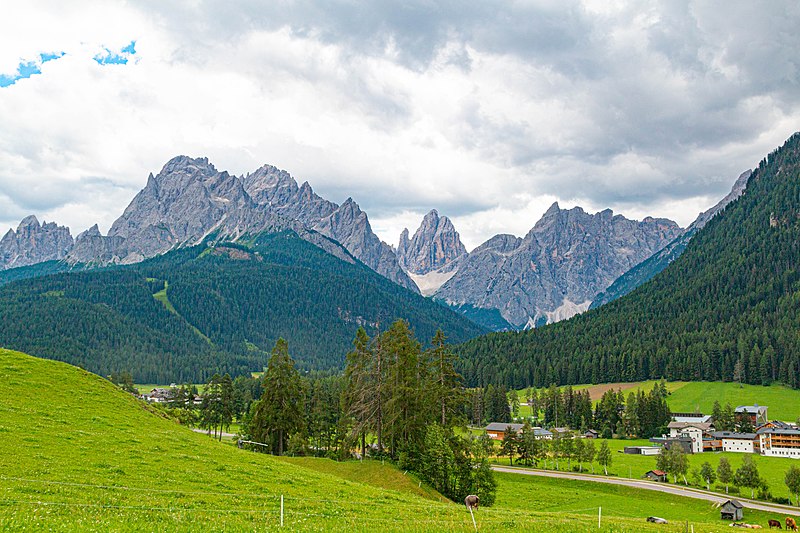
486	111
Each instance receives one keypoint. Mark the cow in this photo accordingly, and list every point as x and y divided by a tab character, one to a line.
791	525
471	502
656	520
775	523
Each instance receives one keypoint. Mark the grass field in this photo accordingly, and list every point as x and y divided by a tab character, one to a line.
783	402
772	469
77	454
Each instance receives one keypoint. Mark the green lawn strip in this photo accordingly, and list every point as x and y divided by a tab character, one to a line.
162	297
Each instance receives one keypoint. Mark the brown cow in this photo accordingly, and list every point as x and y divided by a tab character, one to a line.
791	525
471	502
775	523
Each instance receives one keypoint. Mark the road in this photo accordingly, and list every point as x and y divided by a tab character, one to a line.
652	485
204	432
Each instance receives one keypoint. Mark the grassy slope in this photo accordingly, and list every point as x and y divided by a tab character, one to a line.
78	454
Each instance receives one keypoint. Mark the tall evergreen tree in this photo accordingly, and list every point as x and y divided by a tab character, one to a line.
279	412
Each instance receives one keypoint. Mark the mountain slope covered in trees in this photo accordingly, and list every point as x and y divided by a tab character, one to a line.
189	313
727	309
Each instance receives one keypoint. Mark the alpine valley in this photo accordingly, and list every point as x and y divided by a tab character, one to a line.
206	270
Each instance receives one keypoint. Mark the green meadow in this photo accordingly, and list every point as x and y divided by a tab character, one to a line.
78	454
783	402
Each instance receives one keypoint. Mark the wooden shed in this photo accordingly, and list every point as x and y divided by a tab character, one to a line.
732	510
656	475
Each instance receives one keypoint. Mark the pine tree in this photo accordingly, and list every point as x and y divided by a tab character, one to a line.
446	384
279	412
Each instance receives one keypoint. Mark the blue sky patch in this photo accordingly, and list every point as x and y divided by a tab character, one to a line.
116	58
26	69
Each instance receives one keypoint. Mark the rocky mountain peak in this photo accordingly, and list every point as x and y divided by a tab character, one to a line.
34	243
29	221
435	246
564	261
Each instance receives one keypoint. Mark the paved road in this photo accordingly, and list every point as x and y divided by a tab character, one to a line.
204	432
651	485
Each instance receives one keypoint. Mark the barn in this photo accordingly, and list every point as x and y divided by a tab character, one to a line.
732	510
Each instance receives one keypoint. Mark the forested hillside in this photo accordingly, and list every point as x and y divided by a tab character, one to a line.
189	313
727	309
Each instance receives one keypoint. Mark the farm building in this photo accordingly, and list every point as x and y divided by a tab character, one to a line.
497	430
656	475
643	450
737	442
591	434
757	413
731	510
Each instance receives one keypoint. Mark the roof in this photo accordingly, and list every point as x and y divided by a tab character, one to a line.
702	426
656	472
735	503
698	419
751	409
733	435
539	432
501	426
778	431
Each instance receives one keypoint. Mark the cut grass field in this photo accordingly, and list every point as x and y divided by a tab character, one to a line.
772	469
78	454
783	402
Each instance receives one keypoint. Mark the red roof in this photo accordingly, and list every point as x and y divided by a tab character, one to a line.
659	472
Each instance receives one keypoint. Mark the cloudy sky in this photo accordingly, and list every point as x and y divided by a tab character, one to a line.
487	111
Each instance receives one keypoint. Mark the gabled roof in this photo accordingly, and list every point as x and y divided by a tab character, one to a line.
656	472
693	419
751	409
501	426
702	426
735	503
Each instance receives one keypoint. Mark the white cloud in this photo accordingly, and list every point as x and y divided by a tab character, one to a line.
487	112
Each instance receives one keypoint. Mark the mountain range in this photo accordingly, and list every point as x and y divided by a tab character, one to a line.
190	201
565	263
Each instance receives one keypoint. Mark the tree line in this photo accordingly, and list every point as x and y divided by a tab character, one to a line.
395	401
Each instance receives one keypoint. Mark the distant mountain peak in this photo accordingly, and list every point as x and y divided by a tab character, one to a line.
34	243
435	246
563	262
28	221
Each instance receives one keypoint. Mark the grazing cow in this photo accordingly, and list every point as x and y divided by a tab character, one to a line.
471	502
656	520
791	525
775	523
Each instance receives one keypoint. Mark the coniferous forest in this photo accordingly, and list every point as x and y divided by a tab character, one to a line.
190	313
727	309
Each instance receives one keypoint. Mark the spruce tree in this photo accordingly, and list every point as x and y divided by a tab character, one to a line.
280	412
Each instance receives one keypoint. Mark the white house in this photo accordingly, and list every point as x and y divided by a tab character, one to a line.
736	442
693	431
